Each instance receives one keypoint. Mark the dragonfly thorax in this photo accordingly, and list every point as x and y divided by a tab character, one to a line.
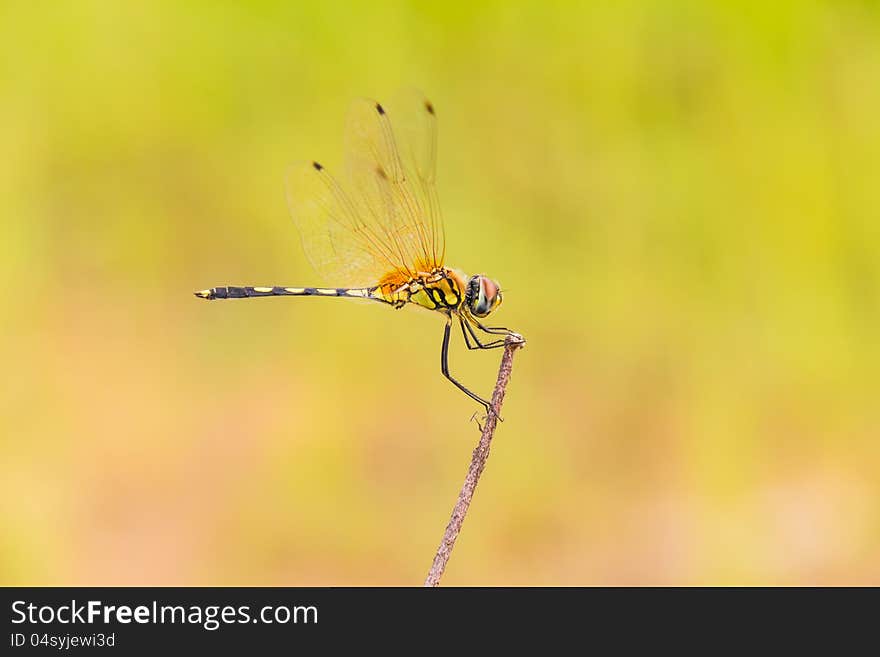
441	289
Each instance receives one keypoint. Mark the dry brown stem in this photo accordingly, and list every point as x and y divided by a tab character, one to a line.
478	462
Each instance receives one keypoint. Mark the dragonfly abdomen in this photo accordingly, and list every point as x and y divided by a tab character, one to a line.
233	292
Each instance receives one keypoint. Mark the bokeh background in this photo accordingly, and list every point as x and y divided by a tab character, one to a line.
682	200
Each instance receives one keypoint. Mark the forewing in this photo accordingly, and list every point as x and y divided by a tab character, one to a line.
391	177
415	125
383	219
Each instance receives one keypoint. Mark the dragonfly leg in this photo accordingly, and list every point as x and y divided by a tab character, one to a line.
493	330
444	367
467	329
467	340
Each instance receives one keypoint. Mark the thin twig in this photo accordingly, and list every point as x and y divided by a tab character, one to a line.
478	462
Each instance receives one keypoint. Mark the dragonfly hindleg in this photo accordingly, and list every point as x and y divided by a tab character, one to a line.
444	367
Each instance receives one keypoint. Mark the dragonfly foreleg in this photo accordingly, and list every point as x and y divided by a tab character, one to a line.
468	330
492	330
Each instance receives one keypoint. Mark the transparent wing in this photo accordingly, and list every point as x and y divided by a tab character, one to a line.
335	238
392	171
383	219
415	121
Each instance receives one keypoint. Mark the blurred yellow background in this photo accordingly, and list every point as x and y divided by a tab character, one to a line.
681	200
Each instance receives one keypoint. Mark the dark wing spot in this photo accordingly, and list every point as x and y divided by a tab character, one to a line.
317	166
380	109
429	107
381	172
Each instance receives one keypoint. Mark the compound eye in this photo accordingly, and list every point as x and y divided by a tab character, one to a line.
487	298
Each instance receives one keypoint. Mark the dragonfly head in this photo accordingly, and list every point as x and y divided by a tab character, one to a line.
482	296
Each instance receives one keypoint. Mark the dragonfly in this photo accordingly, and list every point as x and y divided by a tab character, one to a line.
377	232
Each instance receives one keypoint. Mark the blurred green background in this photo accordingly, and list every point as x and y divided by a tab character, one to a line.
681	200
